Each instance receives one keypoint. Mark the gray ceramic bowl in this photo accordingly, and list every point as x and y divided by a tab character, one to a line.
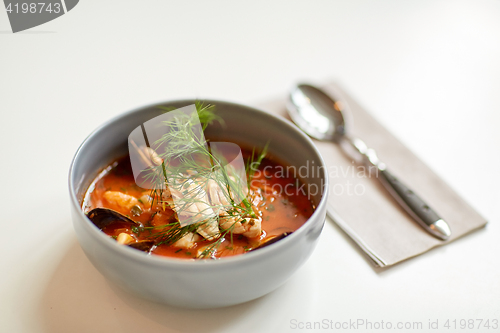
204	283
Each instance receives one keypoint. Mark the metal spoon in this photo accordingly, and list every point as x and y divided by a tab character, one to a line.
322	117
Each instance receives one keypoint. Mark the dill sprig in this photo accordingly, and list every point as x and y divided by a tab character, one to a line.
187	163
252	166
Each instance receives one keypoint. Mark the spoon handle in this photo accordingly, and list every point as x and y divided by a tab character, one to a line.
409	200
415	206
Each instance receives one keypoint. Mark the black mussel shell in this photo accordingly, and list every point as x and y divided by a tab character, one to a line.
103	217
145	245
272	240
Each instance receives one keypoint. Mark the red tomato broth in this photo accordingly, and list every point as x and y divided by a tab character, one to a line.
281	212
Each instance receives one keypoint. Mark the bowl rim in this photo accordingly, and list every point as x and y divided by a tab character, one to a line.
156	260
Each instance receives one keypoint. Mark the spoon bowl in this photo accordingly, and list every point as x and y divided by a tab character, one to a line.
316	113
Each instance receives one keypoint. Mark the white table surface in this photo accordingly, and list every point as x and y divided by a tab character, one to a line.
428	70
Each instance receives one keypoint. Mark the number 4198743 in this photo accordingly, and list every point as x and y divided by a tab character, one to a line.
34	8
471	324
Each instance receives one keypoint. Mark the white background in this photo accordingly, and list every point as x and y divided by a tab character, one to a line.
428	70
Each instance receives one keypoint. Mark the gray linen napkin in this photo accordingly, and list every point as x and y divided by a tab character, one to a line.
361	206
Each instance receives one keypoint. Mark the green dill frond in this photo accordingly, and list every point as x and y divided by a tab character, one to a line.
206	114
186	159
167	108
252	165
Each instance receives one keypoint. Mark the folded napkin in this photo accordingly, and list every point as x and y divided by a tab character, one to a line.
363	209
